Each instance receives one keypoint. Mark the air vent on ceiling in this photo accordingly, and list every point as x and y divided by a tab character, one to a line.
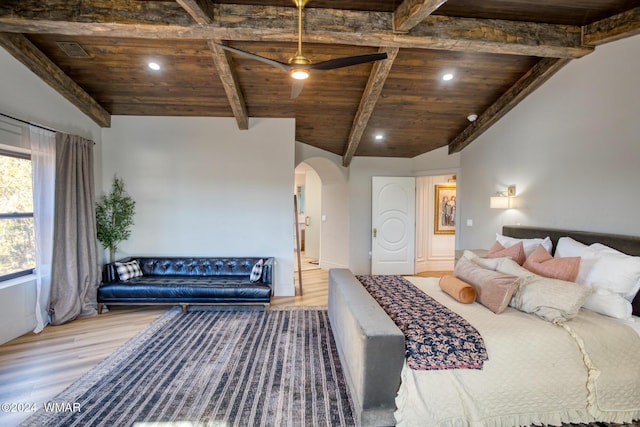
73	49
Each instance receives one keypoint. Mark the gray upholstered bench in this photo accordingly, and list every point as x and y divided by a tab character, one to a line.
370	346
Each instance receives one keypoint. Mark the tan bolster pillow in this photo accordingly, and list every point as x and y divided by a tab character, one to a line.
460	290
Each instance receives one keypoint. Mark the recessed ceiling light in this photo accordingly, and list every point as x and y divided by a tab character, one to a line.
154	66
447	77
379	137
472	117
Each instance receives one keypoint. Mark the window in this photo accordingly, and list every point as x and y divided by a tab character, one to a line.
17	238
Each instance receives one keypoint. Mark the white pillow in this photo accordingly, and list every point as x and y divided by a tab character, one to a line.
530	245
608	303
599	247
615	272
613	275
568	247
509	266
490	263
553	300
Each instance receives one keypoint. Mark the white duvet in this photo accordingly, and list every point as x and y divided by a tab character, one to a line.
537	372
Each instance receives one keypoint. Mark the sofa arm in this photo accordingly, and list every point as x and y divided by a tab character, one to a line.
267	271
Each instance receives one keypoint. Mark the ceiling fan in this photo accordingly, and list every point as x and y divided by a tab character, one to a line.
299	66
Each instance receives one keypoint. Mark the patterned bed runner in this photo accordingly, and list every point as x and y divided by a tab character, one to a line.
435	337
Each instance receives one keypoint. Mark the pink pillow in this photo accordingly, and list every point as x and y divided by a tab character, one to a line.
493	289
515	252
542	263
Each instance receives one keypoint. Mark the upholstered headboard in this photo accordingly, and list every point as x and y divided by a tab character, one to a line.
628	244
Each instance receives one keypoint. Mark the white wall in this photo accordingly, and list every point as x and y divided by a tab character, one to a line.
204	188
436	162
312	213
17	305
572	148
334	252
24	96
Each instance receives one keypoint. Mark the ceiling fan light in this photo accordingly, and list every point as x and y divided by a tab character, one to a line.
299	74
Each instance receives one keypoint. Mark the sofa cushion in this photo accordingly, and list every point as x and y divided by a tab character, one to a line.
185	289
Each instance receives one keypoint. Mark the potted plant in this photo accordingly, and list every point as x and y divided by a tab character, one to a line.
114	217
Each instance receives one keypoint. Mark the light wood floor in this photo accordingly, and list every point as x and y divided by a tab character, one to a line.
35	368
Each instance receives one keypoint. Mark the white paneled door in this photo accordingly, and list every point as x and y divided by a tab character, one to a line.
393	225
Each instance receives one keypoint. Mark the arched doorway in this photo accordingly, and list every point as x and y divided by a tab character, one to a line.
323	213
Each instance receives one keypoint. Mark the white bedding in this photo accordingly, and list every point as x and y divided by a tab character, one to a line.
536	373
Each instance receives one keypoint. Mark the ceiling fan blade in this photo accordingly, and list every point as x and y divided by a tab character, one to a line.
296	88
278	64
347	61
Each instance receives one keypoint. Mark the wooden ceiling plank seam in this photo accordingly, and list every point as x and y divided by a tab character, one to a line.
200	10
379	74
230	83
616	27
331	26
412	12
526	85
36	61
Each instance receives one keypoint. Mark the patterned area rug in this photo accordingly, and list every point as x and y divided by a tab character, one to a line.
214	368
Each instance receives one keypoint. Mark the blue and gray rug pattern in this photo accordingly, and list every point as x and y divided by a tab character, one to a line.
215	368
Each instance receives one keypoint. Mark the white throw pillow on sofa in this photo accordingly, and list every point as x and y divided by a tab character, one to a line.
256	271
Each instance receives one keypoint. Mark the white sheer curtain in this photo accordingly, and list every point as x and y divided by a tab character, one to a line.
43	163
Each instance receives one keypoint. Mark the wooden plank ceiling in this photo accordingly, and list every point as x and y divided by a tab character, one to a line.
498	51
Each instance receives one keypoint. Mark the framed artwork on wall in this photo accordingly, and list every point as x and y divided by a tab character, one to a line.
445	209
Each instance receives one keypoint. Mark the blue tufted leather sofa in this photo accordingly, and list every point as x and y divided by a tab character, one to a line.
188	281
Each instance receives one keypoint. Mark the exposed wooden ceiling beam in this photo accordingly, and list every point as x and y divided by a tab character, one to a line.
331	26
610	29
24	51
231	86
625	24
412	12
200	10
378	77
533	79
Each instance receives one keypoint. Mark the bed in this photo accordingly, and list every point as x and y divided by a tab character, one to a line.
537	372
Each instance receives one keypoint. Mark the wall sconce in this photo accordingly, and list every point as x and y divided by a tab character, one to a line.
504	199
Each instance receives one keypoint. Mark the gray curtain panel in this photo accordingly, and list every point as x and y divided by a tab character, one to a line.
75	265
